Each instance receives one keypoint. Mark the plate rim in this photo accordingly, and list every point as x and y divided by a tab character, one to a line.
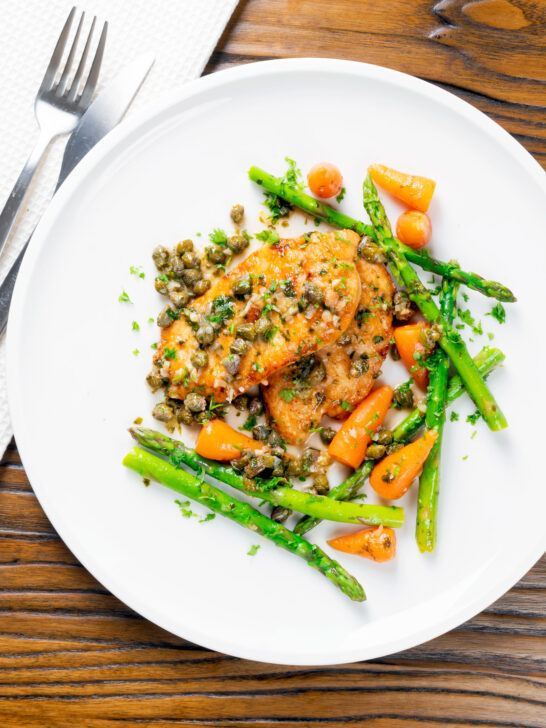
89	164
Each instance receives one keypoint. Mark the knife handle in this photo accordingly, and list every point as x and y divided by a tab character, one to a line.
7	286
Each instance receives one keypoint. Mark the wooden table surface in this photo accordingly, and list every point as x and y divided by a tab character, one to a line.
73	655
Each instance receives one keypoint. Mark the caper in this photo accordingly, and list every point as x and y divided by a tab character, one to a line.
278	467
154	379
274	439
370	251
161	257
201	286
394	447
312	294
199	359
184	416
239	464
256	406
320	484
180	298
294	467
429	335
255	466
402	308
205	334
241	402
375	451
239	346
163	412
403	396
237	243
216	254
383	437
237	213
191	260
344	339
177	266
242	286
261	432
246	332
191	276
280	514
317	375
262	326
359	367
395	355
232	364
195	402
161	283
201	417
163	318
184	247
327	434
308	458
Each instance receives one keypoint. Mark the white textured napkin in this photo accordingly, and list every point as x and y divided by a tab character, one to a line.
180	33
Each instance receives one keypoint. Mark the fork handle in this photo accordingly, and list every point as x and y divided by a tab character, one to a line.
7	286
17	195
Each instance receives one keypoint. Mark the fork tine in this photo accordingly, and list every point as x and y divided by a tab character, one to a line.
73	90
68	65
90	84
55	61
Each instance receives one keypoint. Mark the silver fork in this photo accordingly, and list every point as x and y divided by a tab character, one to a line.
57	108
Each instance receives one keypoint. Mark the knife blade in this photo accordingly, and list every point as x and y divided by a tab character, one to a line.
102	116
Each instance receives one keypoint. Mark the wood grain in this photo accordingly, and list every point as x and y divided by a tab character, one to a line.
73	655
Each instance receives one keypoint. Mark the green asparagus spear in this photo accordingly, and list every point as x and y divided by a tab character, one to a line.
149	465
334	217
429	482
450	339
486	361
318	506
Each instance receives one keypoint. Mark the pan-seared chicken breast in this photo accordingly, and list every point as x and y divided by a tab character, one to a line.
336	378
283	302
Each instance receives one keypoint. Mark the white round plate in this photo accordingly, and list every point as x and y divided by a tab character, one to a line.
75	384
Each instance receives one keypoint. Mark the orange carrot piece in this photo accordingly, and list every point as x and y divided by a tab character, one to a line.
377	543
415	191
351	441
407	342
218	441
393	475
414	229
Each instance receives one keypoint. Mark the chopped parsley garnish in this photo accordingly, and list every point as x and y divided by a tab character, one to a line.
184	510
136	270
208	517
287	394
136	352
498	312
135	326
270	237
154	345
124	297
151	320
469	320
474	417
277	206
465	297
222	309
454	417
170	352
250	422
341	194
253	550
173	315
218	237
345	405
257	367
